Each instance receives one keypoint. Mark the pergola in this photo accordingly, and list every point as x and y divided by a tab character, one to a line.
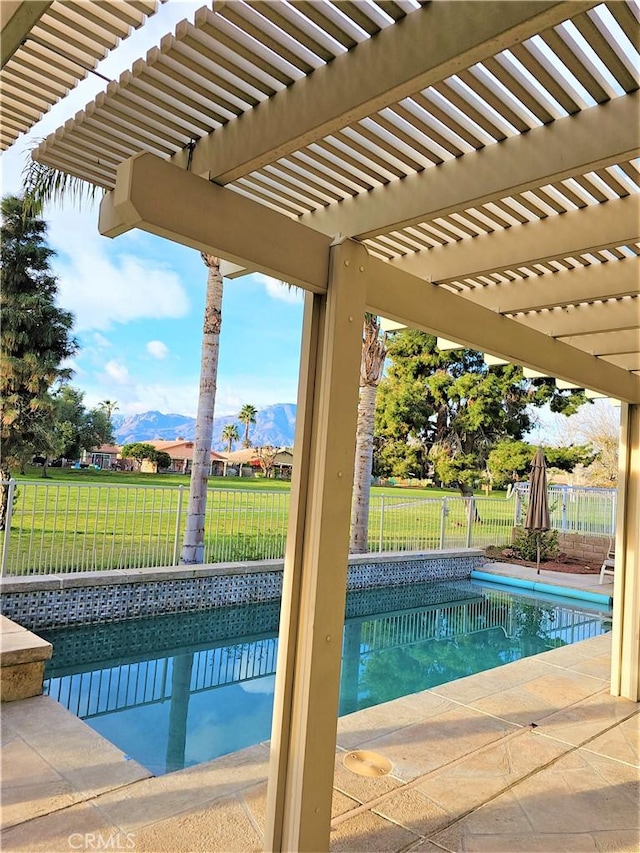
465	168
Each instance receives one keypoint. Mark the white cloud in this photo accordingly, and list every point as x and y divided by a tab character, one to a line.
234	391
266	684
181	397
102	288
157	349
135	397
117	371
100	341
73	365
278	290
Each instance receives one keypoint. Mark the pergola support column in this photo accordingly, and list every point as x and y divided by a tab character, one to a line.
313	600
625	661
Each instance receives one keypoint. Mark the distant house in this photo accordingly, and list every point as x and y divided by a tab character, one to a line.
106	456
246	462
181	453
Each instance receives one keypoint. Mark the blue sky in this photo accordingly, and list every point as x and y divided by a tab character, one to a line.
138	299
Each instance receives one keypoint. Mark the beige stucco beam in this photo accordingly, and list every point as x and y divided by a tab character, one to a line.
398	62
306	697
402	297
589	140
569	287
17	19
612	223
156	196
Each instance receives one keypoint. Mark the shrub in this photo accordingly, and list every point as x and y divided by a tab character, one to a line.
525	543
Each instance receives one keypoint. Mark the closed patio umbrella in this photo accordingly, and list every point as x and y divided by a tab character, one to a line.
537	519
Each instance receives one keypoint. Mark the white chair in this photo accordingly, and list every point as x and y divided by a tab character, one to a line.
609	562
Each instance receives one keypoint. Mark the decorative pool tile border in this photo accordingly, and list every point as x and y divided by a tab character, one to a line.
89	598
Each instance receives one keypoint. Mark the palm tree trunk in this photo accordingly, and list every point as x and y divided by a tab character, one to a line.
5	477
374	351
362	472
193	542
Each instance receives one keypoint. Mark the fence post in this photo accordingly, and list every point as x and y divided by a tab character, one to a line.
176	537
471	512
8	515
517	515
380	539
443	521
612	531
564	509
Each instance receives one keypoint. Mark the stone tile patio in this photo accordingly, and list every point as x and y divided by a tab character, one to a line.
535	756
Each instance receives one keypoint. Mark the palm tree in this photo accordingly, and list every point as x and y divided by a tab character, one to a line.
230	434
193	541
247	417
108	407
374	351
44	184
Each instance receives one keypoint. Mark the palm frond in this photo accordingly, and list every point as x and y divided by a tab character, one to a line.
44	184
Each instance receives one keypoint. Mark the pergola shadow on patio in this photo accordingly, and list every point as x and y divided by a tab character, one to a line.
466	168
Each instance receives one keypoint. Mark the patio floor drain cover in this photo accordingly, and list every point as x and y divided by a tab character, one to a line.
366	763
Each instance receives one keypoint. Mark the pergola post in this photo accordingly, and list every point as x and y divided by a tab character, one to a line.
625	660
313	600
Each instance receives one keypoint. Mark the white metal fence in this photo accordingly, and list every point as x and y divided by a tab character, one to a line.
575	509
73	527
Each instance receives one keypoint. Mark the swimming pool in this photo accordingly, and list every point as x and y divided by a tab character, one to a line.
173	691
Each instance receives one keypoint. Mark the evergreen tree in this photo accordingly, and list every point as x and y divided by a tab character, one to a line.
76	428
446	410
35	337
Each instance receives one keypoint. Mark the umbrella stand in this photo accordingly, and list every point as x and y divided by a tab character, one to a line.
537	520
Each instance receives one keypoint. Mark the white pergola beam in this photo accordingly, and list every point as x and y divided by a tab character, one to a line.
629	360
599	281
605	343
589	140
156	196
398	62
612	223
230	270
404	298
585	319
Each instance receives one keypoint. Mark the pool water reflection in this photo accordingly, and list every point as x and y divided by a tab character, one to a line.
173	691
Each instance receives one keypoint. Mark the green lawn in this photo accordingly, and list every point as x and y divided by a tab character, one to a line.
66	522
134	478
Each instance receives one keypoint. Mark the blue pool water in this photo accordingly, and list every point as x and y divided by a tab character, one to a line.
173	691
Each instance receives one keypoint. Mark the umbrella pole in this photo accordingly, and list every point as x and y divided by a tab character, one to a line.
538	553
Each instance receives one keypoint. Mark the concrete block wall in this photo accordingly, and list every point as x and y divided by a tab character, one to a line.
591	549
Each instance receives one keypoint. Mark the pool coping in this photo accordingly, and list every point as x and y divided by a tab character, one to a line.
224	799
542	587
107	577
467	758
47	602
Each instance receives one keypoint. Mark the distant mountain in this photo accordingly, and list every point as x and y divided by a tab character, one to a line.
274	425
150	425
